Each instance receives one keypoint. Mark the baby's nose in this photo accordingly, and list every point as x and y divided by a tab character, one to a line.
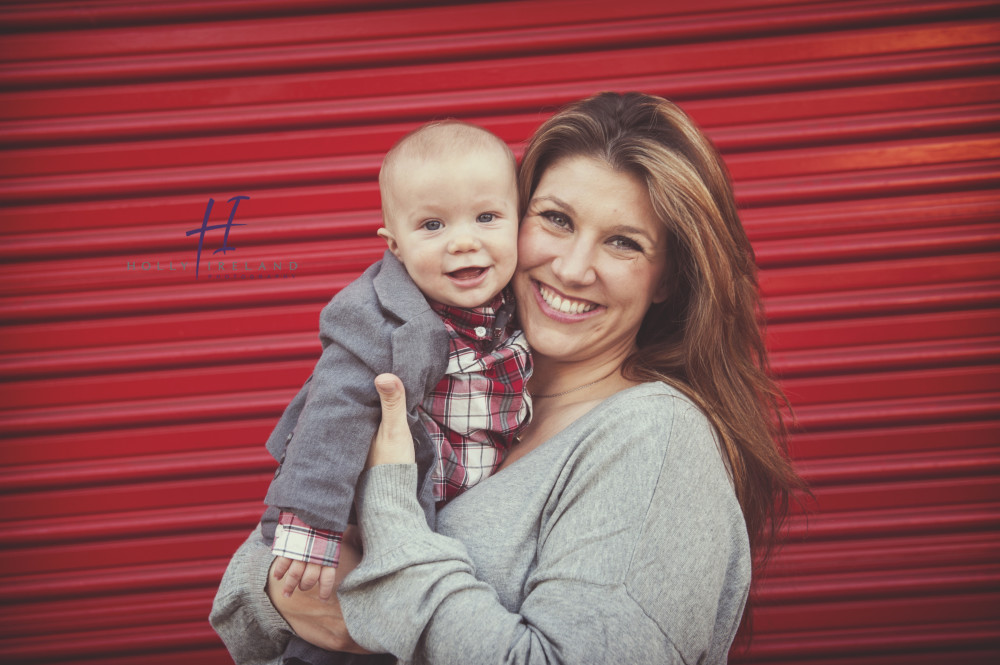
464	242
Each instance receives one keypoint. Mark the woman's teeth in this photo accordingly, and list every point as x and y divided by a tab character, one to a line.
566	306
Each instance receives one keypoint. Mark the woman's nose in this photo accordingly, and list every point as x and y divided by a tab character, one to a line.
575	265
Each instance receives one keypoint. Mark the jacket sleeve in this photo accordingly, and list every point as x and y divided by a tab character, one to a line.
633	562
325	452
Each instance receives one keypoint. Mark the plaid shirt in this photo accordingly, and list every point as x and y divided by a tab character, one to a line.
472	416
474	413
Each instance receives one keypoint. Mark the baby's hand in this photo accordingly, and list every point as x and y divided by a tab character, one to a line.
304	576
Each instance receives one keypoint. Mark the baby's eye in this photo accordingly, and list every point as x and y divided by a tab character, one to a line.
624	242
486	218
432	225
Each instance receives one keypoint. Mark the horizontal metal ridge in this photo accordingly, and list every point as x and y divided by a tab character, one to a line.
877	127
883	265
238	405
901	466
203	573
840	247
833	333
189	114
187	209
858	295
135	357
766	113
882	583
88	417
384	17
251	56
133	470
914	211
337	230
306	346
165	638
96	277
849	525
773	63
172	297
869	552
152	522
889	412
874	439
817	362
305	171
770	227
919	643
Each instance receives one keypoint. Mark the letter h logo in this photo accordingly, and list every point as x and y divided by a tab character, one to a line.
205	227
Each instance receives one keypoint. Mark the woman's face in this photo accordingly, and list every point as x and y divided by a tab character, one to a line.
591	260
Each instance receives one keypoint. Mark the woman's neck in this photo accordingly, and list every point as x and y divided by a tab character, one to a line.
562	392
573	381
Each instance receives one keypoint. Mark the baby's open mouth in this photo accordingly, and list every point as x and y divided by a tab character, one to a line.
467	273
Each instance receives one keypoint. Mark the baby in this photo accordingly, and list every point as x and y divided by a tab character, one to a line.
435	312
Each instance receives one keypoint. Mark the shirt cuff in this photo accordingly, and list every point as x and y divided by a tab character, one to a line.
294	539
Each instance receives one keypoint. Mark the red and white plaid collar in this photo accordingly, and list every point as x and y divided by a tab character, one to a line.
480	324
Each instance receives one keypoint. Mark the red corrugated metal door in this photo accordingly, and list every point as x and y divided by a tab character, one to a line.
136	395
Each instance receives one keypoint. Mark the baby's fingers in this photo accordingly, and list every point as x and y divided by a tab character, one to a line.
310	576
292	578
327	582
280	566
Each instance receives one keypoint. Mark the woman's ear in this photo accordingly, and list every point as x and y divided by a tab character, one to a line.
390	241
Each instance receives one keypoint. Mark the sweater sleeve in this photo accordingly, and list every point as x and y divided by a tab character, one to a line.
607	586
242	614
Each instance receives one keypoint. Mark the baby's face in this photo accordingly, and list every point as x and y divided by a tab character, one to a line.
454	224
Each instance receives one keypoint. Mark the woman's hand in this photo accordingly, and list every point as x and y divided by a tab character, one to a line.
393	443
315	620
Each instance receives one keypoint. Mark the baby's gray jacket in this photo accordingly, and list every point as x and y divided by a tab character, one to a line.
379	323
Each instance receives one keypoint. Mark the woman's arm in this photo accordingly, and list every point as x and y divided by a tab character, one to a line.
639	560
242	615
255	621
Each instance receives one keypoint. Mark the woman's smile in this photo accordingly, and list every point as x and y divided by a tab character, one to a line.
555	302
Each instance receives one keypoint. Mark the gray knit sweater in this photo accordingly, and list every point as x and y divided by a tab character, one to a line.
619	540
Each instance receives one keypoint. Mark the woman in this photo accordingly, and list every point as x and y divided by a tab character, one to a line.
621	526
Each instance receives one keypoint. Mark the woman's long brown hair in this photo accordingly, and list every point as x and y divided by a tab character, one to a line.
707	339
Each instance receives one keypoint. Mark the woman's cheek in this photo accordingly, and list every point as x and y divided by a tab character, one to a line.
531	243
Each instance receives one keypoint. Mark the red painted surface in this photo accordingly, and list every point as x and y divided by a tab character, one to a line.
863	142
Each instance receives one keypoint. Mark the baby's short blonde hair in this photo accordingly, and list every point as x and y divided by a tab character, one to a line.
429	142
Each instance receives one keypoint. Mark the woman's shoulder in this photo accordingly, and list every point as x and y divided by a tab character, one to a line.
655	417
653	404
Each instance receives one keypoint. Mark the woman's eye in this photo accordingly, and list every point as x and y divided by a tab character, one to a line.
557	218
486	218
432	225
623	242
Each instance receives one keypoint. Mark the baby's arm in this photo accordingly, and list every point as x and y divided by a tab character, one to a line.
305	556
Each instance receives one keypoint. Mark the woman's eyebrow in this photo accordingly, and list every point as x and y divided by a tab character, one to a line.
633	231
555	199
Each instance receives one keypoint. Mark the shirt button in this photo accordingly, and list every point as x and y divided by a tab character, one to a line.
480	331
